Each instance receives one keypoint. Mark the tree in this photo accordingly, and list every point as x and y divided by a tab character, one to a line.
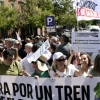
64	13
29	9
34	13
7	19
46	8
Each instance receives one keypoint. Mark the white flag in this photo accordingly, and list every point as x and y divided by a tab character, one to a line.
87	9
18	37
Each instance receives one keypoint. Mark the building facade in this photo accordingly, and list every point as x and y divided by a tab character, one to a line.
13	3
17	4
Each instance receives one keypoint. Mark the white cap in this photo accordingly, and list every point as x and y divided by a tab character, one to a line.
58	55
30	45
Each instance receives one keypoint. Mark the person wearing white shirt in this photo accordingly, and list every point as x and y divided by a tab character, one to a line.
86	65
61	68
24	63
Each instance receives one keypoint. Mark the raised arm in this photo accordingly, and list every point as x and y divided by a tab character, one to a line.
70	58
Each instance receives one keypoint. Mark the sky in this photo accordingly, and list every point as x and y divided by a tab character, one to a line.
74	4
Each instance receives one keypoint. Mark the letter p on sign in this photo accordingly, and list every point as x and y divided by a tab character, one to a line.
50	21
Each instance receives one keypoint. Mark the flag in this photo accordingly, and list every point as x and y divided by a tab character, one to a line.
87	9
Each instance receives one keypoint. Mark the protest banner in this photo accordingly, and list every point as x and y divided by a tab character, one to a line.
86	41
70	88
40	51
87	9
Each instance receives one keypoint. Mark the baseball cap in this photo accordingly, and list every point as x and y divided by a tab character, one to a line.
58	55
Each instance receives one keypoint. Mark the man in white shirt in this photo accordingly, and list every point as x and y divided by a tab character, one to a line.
24	63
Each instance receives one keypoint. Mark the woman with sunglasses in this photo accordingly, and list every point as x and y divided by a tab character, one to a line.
61	68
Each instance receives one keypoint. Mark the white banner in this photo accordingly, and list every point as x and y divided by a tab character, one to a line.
86	41
72	88
87	9
39	52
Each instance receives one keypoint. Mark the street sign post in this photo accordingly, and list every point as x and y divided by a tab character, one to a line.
50	24
50	21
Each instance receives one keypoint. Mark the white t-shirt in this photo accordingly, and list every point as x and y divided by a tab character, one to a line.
26	65
69	72
86	73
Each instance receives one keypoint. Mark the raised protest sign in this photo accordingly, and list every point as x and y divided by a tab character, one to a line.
39	52
72	88
87	9
86	41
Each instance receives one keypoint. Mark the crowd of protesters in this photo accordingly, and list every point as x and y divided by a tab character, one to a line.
58	61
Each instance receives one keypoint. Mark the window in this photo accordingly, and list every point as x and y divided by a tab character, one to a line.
12	5
1	3
20	7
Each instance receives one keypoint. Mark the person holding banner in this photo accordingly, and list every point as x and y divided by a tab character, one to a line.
96	70
24	63
9	66
86	64
61	68
40	66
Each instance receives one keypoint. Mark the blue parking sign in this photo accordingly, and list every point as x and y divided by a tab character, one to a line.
50	21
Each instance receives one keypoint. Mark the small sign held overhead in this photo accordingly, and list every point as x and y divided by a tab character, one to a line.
39	52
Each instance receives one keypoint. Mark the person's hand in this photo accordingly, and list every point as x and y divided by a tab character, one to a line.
56	74
72	52
25	73
78	57
91	76
78	54
1	60
36	76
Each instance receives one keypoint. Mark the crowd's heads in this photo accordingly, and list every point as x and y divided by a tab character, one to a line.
53	47
65	38
28	47
57	55
23	44
35	47
53	39
16	44
15	52
8	56
9	42
58	60
37	38
85	59
8	52
28	40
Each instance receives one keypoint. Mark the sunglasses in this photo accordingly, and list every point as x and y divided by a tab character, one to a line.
33	62
60	60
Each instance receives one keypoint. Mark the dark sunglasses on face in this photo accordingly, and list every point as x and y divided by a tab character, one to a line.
33	62
60	60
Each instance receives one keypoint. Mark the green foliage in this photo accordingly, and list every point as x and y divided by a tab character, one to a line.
7	18
65	14
34	13
46	8
28	11
97	90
